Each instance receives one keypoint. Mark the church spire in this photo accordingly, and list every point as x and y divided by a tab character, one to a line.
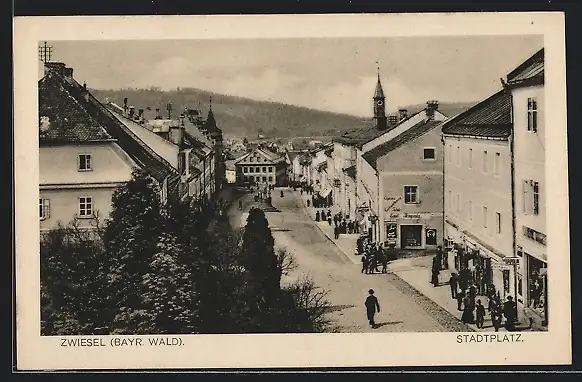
380	119
210	124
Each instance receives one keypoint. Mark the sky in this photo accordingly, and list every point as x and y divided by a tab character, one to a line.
332	74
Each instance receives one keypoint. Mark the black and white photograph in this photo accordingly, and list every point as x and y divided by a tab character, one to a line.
297	185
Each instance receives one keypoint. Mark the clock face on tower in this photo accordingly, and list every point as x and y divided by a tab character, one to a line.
379	102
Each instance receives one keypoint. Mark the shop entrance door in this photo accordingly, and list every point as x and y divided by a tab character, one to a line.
411	236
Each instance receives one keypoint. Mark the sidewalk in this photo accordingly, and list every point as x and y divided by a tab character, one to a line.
414	270
347	243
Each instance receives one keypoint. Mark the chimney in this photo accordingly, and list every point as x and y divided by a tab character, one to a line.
403	114
176	134
431	107
158	113
68	74
85	93
57	67
131	111
140	113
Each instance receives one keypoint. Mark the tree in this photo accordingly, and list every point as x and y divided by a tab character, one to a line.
130	239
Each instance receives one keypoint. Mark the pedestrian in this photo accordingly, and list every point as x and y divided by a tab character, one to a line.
384	262
372	307
460	297
453	281
509	312
467	317
317	216
435	277
336	232
364	263
329	220
307	202
373	262
480	313
495	315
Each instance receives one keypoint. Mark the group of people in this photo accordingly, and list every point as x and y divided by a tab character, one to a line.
303	187
439	262
375	255
323	216
344	225
472	308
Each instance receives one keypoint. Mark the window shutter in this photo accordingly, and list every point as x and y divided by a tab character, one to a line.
47	208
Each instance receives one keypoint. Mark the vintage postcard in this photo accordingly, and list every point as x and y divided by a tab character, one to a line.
291	191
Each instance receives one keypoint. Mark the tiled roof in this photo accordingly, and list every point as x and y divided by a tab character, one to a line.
489	118
414	132
141	153
366	133
68	121
532	68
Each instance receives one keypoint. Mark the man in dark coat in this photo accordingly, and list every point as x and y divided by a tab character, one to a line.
509	312
372	307
336	232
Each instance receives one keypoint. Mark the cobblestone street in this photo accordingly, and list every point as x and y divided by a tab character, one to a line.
403	309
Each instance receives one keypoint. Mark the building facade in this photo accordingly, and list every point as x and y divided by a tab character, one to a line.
408	174
526	84
85	153
261	166
478	201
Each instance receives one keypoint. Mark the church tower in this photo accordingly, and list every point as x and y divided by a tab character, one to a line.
215	134
380	120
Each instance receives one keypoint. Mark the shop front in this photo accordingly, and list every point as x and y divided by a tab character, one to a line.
411	231
536	292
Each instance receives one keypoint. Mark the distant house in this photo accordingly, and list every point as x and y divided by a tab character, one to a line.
261	166
230	172
293	159
86	153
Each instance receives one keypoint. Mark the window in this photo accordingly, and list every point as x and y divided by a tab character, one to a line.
497	222
470	210
531	197
497	164
251	169
536	198
251	159
410	194
450	153
450	200
44	208
257	169
257	179
459	156
484	217
270	168
245	169
484	161
85	206
429	153
470	158
458	203
85	162
264	169
532	115
270	178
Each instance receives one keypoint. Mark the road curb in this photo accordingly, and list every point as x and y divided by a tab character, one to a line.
306	212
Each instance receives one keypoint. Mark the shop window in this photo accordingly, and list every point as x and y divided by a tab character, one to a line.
537	285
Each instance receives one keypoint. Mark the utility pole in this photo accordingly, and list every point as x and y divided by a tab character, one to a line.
45	52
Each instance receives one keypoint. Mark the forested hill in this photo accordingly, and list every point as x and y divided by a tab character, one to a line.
246	117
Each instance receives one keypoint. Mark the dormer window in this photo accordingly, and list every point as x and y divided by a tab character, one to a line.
85	162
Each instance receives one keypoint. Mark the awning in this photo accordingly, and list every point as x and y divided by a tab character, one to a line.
325	192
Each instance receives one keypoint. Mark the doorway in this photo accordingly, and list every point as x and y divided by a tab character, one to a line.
411	236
